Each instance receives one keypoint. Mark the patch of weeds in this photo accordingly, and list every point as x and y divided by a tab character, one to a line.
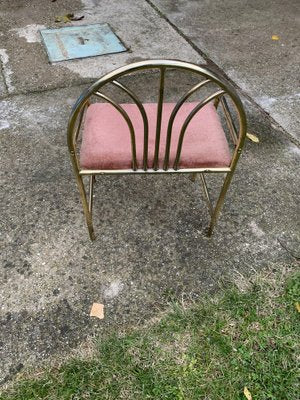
211	349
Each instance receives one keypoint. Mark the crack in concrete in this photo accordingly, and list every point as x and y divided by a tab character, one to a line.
46	90
14	370
289	251
3	79
6	71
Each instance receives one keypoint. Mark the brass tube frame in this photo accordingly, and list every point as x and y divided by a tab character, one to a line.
229	121
151	171
83	102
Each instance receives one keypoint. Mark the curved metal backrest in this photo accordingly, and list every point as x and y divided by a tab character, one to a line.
238	135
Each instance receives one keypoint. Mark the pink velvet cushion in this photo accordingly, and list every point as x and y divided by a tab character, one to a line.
106	142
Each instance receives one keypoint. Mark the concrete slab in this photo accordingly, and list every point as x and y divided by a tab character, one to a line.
237	36
135	23
150	232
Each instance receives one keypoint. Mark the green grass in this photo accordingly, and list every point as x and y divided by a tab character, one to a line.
207	350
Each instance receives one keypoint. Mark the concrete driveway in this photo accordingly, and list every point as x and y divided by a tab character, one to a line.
150	231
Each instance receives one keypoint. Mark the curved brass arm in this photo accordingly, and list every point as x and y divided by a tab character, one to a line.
229	121
144	116
129	123
188	120
173	115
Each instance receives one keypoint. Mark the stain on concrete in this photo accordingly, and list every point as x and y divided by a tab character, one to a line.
30	32
113	290
6	69
4	124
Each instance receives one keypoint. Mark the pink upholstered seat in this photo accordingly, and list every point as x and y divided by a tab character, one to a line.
106	142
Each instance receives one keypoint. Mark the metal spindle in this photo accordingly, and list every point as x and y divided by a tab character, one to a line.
159	115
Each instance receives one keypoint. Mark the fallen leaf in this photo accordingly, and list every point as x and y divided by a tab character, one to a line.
275	37
68	18
97	310
252	137
77	18
64	18
247	393
297	305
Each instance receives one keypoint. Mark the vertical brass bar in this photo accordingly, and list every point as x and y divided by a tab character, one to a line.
220	202
159	115
229	120
206	192
229	175
83	196
91	191
80	122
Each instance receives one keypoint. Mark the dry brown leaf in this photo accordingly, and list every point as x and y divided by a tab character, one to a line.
247	393
297	305
97	310
77	18
68	18
64	18
252	137
275	37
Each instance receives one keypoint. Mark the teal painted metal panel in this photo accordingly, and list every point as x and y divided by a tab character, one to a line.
81	41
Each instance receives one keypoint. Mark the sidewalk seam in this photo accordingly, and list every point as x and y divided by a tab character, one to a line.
2	75
220	71
37	91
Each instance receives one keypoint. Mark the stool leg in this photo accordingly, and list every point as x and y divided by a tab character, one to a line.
86	208
91	193
206	192
220	202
